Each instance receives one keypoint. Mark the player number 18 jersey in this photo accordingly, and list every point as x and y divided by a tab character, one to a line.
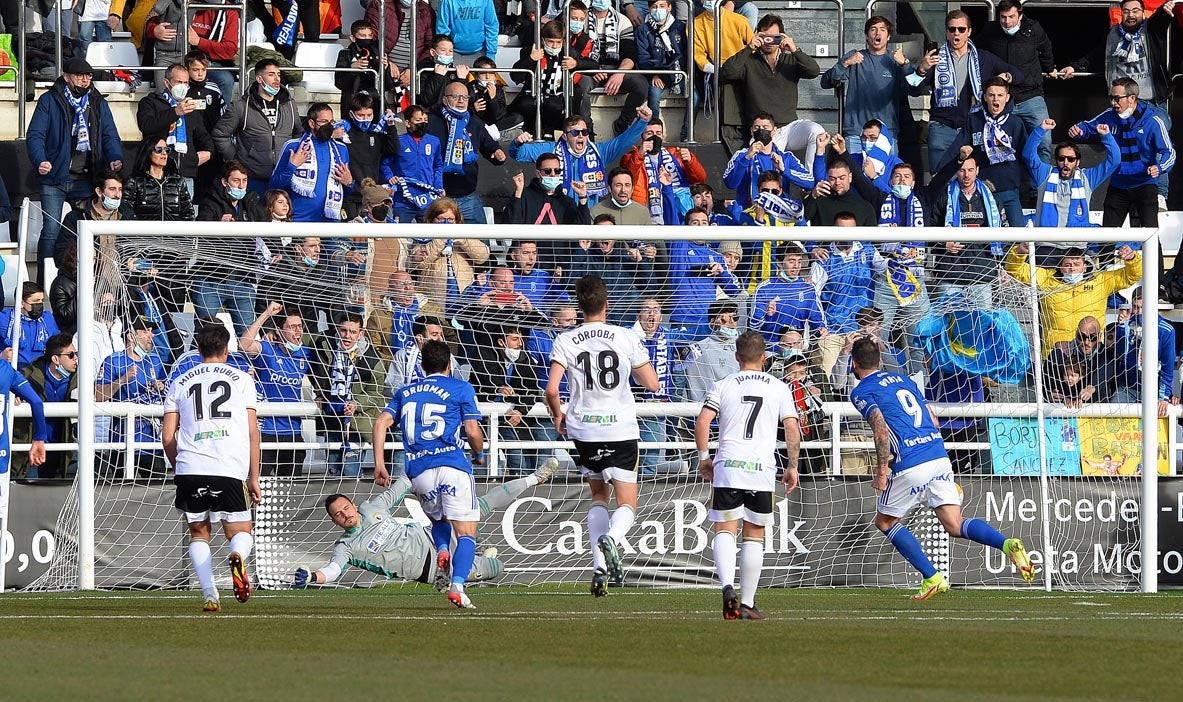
599	359
751	406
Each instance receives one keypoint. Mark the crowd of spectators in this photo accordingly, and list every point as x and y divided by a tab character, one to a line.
311	312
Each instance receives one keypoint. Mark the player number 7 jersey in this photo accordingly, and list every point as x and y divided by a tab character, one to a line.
599	359
751	406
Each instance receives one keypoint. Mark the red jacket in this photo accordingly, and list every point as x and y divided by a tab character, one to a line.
425	29
692	171
218	32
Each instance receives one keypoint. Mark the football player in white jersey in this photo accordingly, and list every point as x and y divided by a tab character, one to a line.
750	406
211	437
601	419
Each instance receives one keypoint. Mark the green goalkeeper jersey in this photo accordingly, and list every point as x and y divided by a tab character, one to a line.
382	544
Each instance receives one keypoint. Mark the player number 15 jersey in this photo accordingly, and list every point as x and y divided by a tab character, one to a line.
599	359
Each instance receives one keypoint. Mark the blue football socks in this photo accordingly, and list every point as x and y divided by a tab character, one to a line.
441	536
905	542
983	533
462	559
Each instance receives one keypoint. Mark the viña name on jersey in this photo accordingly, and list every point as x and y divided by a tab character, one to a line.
751	406
914	437
213	435
599	359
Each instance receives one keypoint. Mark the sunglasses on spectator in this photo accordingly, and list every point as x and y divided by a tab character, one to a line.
957	30
1087	337
770	190
579	132
1117	98
1067	159
160	149
72	354
551	171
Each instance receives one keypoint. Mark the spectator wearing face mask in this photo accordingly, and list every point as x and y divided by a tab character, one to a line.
415	170
363	53
37	325
649	158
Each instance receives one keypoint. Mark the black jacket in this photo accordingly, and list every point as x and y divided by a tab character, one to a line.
366	151
295	285
63	300
155	116
464	183
491	370
349	82
224	259
527	208
1029	50
164	200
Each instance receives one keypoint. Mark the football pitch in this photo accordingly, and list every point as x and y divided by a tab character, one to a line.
559	643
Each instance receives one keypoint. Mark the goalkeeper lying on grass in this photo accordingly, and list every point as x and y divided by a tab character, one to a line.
374	540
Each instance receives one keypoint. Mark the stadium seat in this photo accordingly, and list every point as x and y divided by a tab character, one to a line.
317	55
112	54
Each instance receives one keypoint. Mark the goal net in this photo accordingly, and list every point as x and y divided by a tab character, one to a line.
1040	408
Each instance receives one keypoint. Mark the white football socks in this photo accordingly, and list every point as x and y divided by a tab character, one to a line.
723	547
241	543
621	521
751	563
203	565
597	526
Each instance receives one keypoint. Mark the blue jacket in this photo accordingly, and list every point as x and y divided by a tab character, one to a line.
796	307
51	128
1151	137
34	334
308	209
1004	175
741	174
472	24
540	289
846	284
651	53
419	159
873	90
1129	351
1092	176
694	293
610	152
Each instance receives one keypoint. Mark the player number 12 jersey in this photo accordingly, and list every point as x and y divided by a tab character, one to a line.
213	434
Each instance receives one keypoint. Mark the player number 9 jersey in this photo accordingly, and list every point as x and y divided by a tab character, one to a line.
599	359
914	437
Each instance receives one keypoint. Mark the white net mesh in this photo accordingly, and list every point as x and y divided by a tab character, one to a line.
965	334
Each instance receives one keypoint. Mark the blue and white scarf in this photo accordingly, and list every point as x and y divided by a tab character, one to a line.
458	150
946	83
662	159
953	211
1131	48
417	193
303	181
81	130
590	167
285	33
910	215
178	134
783	210
1078	207
996	141
879	151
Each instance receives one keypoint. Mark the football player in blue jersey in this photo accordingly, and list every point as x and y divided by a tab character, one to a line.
913	468
431	414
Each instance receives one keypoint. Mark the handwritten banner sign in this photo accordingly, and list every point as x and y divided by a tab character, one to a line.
1014	445
1113	446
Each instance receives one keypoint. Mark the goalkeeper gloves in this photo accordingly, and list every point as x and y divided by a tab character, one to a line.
303	575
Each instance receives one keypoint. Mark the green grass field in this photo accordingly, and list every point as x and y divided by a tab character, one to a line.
559	643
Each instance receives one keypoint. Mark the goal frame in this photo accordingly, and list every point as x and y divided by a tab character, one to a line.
89	231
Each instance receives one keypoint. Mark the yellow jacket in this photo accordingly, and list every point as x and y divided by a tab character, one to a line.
1062	306
734	34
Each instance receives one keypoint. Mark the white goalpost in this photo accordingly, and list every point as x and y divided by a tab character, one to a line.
821	536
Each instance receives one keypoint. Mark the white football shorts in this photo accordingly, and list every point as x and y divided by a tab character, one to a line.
447	493
930	484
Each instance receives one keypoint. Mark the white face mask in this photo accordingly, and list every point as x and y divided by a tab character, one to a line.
1126	114
1011	31
1073	278
728	333
901	191
512	355
179	91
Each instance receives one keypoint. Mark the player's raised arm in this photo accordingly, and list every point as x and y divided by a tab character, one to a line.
792	451
252	484
702	438
476	440
553	404
882	449
381	424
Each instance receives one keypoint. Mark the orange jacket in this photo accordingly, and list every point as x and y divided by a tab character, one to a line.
634	161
